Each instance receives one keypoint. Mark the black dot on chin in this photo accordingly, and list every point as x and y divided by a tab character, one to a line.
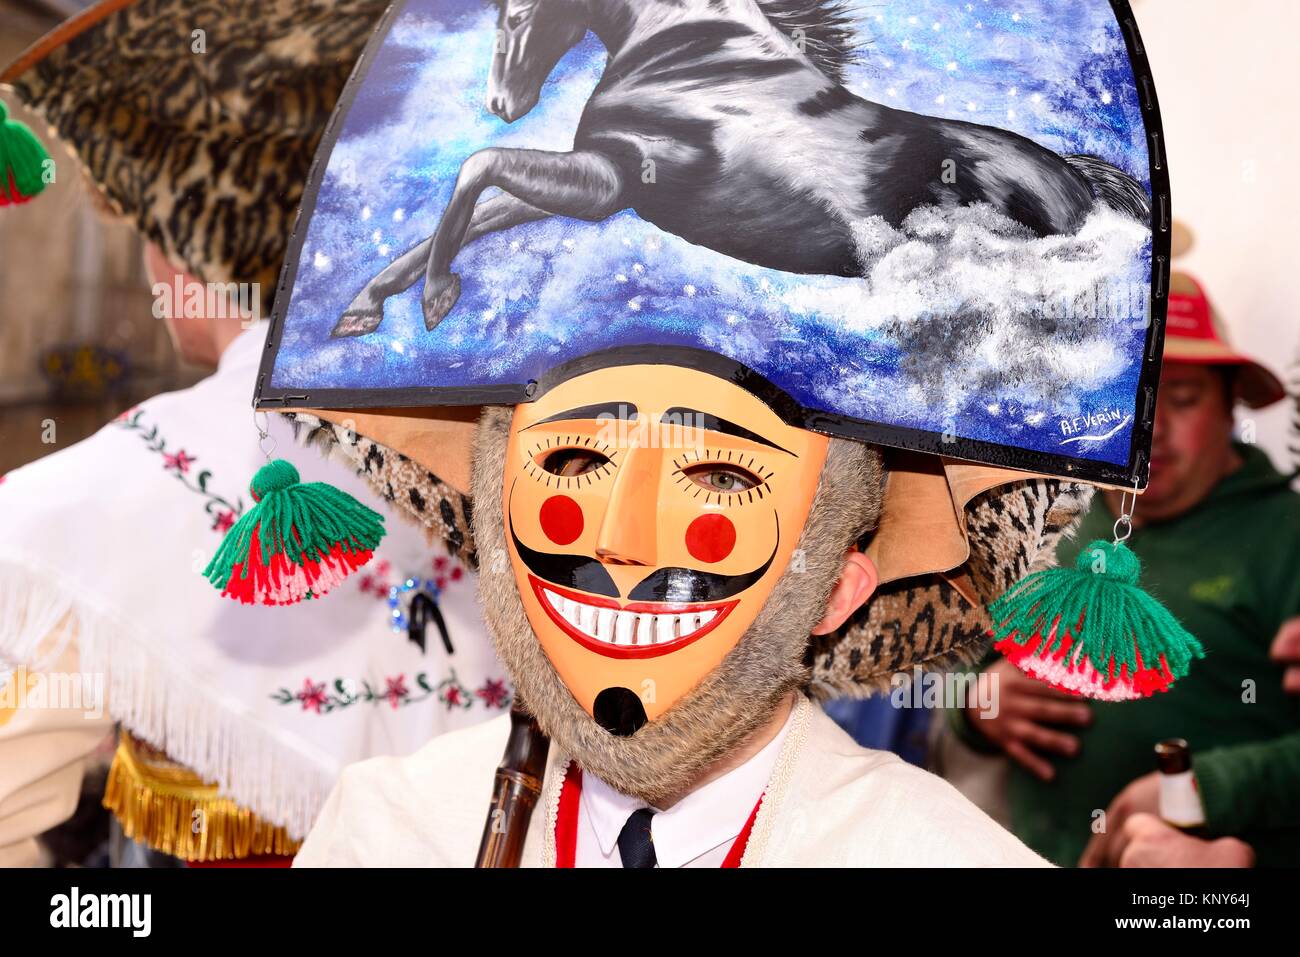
619	711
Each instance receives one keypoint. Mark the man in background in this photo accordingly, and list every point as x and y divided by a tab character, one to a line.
1218	533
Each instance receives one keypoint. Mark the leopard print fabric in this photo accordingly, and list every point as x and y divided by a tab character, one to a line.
206	152
1013	530
414	492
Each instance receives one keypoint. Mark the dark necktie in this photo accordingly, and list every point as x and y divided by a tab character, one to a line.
635	844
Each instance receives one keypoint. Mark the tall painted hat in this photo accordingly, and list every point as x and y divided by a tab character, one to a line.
939	227
929	228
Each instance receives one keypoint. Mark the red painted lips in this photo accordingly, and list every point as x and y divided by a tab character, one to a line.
637	629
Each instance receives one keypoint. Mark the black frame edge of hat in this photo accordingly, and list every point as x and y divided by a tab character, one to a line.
1135	473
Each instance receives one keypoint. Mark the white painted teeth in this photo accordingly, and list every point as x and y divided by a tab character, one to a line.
587	619
626	627
605	624
567	608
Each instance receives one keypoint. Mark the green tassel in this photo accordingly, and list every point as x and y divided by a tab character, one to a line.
1092	630
297	542
22	161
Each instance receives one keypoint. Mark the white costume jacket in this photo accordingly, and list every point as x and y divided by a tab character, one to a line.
828	803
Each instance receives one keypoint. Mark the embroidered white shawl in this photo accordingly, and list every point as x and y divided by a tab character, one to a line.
111	536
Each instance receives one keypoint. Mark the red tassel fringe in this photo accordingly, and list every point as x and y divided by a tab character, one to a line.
284	582
9	194
1078	676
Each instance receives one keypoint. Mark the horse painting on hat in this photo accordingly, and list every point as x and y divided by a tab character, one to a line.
926	227
731	126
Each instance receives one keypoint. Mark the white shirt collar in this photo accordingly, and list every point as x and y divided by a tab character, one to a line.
703	820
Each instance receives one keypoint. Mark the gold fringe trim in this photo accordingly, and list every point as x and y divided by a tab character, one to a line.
170	808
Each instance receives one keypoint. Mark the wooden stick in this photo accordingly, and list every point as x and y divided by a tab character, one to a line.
515	791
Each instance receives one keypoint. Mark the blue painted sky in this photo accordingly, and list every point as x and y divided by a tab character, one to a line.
867	347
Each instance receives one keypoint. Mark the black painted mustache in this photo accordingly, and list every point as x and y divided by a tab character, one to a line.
572	571
664	584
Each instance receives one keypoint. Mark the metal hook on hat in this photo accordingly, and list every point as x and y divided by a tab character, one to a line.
1126	514
263	435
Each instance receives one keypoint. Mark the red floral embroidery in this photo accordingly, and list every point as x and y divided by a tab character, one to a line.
396	691
494	693
443	574
312	696
222	512
345	692
376	582
181	461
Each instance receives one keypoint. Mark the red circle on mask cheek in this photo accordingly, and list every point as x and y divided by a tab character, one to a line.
561	519
710	538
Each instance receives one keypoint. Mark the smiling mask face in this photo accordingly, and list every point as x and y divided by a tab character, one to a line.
650	510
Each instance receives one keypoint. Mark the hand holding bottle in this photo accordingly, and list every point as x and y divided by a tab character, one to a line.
1147	841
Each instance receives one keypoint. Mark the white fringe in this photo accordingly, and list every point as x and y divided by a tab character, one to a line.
195	724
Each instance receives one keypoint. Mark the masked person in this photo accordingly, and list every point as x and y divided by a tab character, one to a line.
234	724
619	578
683	348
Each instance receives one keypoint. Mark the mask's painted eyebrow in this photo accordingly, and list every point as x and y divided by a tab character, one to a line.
679	415
617	410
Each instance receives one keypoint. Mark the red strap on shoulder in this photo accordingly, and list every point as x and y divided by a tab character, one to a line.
742	840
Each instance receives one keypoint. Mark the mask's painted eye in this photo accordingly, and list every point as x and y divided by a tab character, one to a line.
722	478
516	20
569	463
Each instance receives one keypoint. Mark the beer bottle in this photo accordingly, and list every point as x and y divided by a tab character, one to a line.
1180	801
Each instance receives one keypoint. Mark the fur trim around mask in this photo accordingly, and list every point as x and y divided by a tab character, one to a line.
738	696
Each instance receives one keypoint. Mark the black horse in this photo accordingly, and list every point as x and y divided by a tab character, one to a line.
727	123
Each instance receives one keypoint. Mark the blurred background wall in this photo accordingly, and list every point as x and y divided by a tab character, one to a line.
1227	74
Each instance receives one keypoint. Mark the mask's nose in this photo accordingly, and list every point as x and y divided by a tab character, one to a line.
628	528
497	105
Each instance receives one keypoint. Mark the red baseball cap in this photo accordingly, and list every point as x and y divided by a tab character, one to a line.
1194	334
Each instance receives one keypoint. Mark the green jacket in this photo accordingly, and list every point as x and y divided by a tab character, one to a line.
1230	571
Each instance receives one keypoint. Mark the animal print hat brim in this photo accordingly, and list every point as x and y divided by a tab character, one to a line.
952	536
199	125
